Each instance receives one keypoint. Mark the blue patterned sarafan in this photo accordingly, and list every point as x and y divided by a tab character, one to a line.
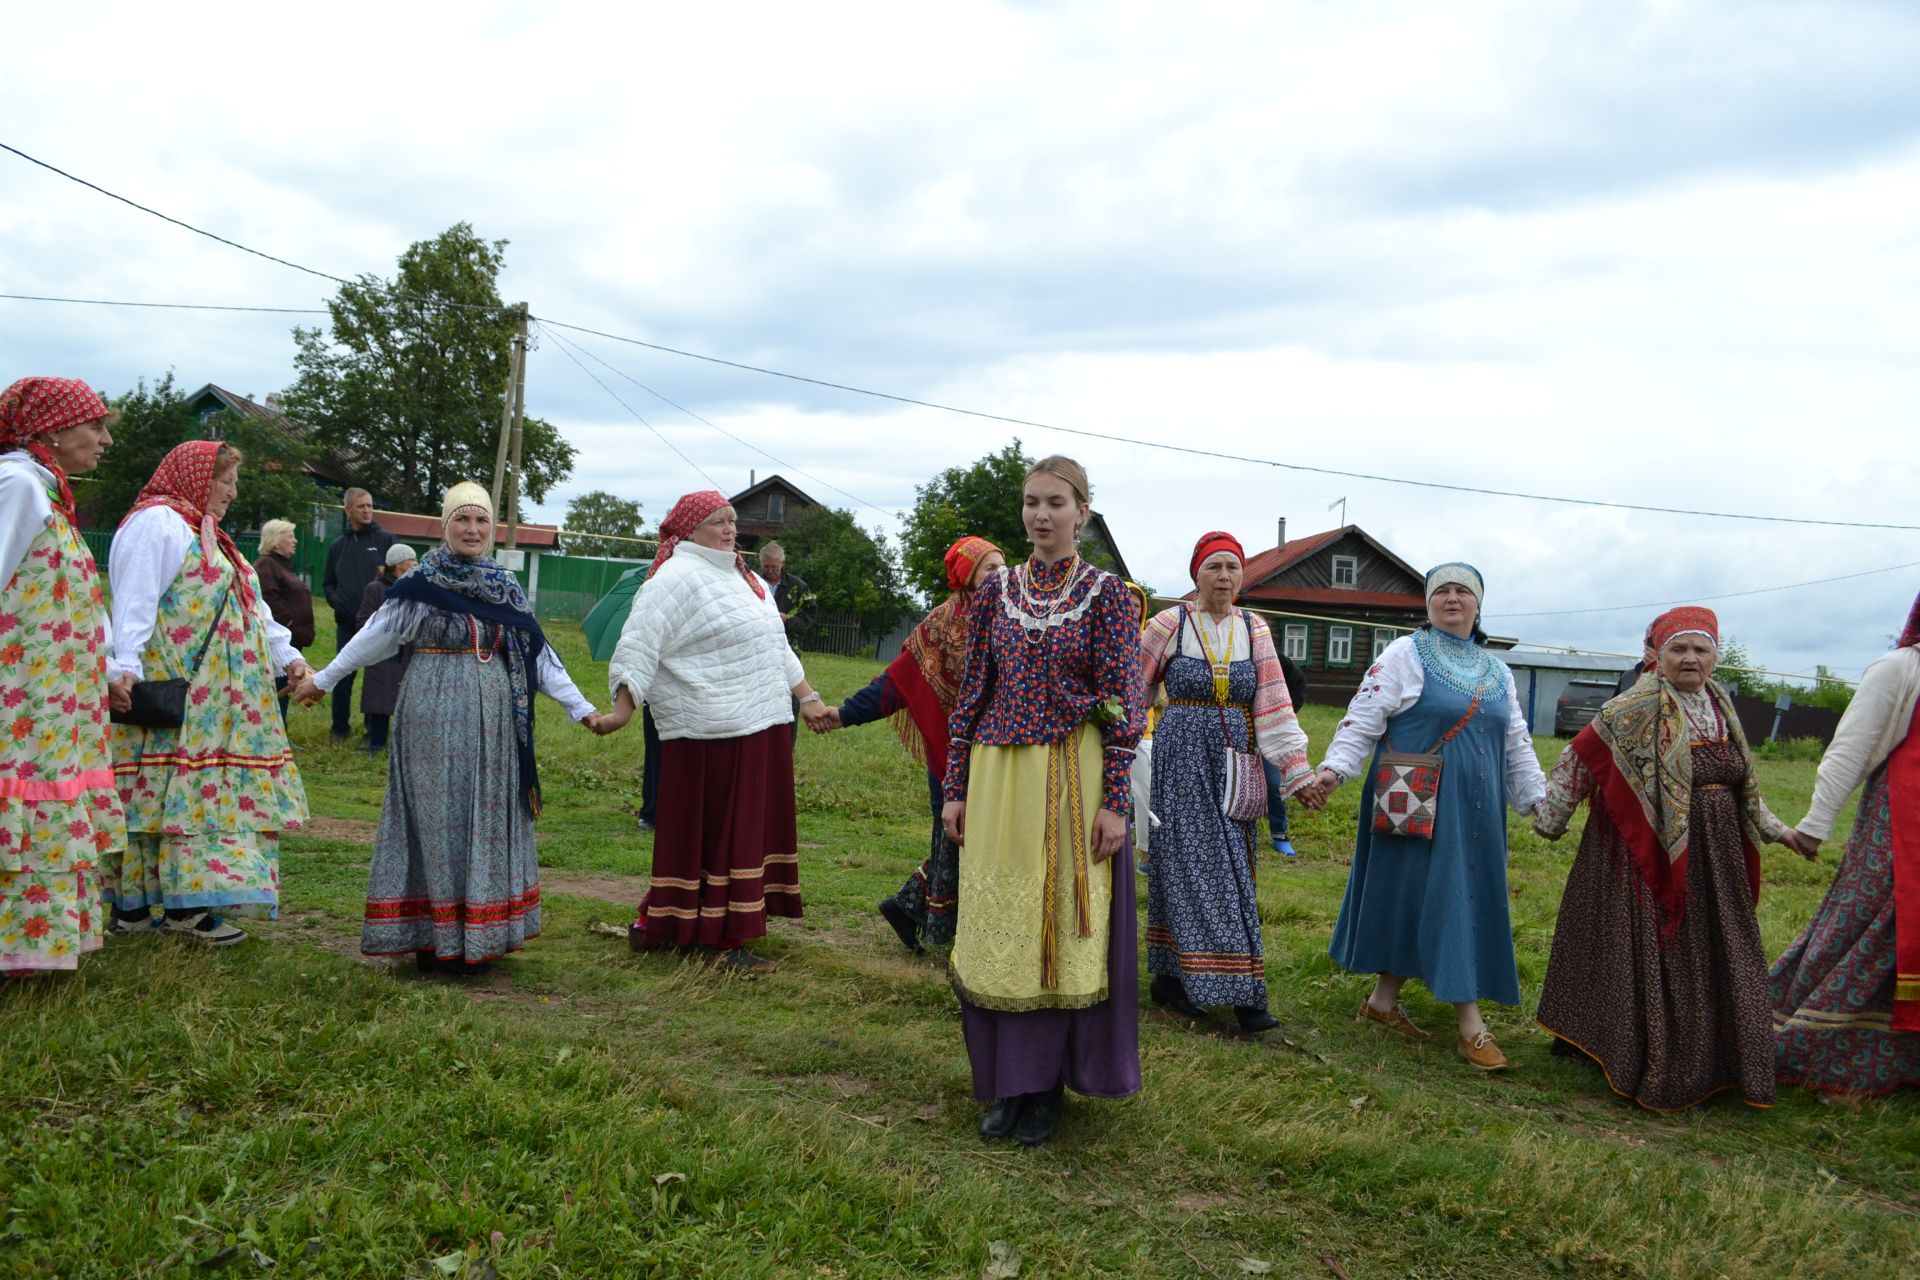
1024	687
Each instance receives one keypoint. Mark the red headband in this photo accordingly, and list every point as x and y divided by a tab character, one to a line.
36	407
1687	619
963	557
689	514
1211	545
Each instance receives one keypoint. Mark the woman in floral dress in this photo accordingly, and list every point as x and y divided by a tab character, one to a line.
1224	689
1038	789
206	802
1846	994
58	811
1657	972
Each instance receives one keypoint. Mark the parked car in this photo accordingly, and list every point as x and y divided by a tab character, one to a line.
1578	705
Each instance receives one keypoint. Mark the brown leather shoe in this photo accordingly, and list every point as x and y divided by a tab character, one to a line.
1482	1052
1395	1020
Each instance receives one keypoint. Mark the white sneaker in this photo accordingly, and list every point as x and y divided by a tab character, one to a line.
139	924
208	928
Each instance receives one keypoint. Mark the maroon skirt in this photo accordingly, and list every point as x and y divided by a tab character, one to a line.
724	846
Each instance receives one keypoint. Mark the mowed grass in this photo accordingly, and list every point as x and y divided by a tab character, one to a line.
588	1112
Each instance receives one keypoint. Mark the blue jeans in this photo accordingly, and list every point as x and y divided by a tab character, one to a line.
1276	801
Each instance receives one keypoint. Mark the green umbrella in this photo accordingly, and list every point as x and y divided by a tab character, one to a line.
603	624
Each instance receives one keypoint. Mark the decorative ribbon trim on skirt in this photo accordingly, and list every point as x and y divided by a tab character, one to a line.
1066	752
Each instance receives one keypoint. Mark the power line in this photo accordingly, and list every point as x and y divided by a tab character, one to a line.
1728	595
199	231
235	244
747	444
1114	438
165	306
1110	437
563	344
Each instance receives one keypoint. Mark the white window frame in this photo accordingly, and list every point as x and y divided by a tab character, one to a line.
1294	641
1382	637
1352	565
1338	639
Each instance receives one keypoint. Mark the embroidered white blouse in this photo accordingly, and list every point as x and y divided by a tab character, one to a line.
1391	686
143	562
394	625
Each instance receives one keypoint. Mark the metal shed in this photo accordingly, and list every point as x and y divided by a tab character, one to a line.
1540	678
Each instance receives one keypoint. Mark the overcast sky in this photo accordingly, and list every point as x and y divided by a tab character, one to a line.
1659	253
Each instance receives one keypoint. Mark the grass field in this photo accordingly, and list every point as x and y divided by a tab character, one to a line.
286	1105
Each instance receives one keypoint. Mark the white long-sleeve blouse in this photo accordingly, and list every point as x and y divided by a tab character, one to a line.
1875	723
394	625
1392	685
146	556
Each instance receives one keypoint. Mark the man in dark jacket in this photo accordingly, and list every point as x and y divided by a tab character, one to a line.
352	561
790	594
1277	828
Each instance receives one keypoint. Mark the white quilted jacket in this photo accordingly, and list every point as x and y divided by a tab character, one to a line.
708	654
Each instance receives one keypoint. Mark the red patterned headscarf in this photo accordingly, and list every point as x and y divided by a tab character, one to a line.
689	514
1688	619
182	483
963	557
1911	636
34	408
1211	545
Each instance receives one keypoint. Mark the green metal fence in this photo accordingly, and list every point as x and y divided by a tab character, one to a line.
569	586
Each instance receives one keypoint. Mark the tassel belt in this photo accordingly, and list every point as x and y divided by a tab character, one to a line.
1711	786
1063	756
436	649
1202	702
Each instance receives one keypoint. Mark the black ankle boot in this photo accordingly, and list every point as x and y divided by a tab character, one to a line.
903	924
1002	1117
1254	1018
1168	993
1041	1117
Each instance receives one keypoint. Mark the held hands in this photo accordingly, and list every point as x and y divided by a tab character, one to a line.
606	722
1803	844
819	716
306	693
120	693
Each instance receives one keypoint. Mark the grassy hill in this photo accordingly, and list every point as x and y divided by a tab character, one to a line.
588	1112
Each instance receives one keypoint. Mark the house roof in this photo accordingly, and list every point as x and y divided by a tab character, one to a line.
754	489
1267	563
323	460
425	531
1097	528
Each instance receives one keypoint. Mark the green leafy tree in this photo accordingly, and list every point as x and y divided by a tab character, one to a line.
848	570
153	419
600	512
1734	670
982	499
411	378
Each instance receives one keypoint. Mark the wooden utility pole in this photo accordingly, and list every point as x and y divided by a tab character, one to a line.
516	359
519	419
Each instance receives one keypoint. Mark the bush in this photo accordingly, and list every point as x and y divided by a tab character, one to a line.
1809	749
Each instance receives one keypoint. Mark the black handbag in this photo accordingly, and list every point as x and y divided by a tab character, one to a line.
162	704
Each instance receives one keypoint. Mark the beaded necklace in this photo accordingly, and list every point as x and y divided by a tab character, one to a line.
1458	661
1038	613
1223	665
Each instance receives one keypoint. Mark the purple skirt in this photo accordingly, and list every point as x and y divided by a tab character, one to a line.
1093	1051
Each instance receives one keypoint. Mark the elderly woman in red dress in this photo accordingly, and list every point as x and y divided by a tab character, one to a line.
59	813
1657	972
705	648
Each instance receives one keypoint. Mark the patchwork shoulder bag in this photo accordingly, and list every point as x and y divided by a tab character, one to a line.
1406	785
162	704
1245	796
